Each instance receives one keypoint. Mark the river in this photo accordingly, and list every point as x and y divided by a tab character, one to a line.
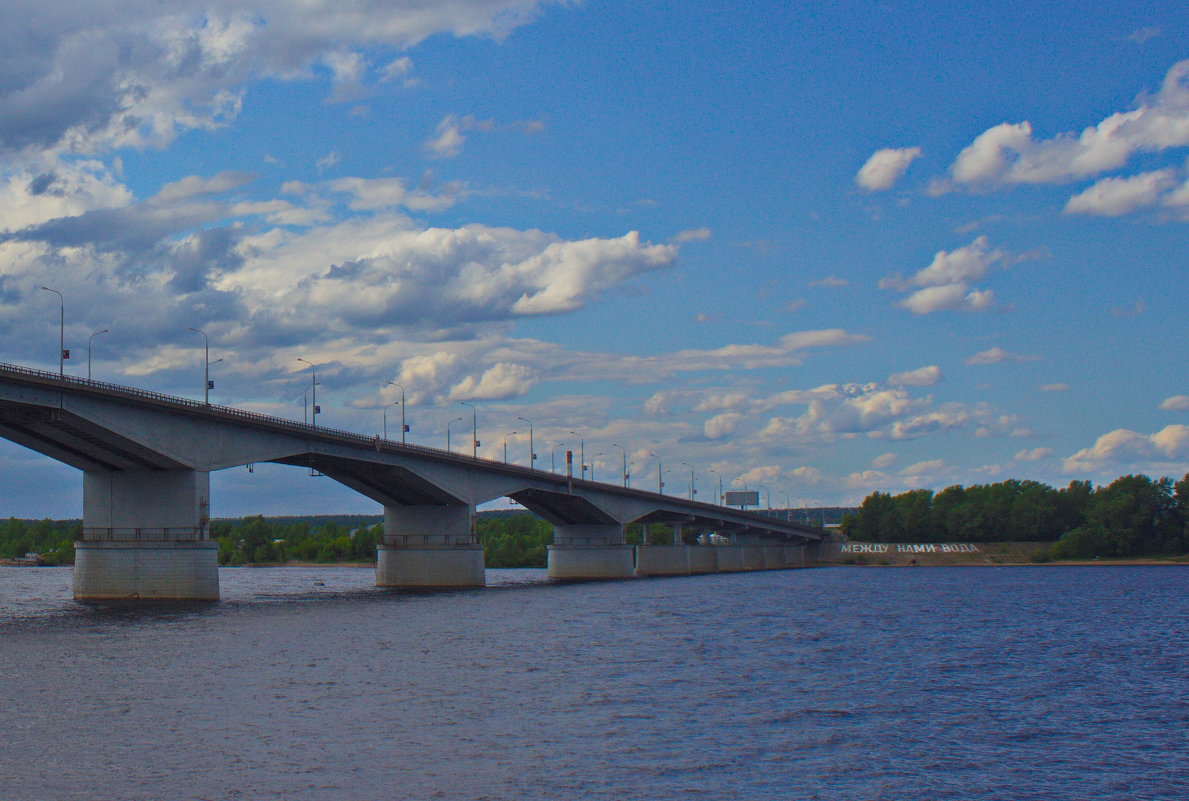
1020	683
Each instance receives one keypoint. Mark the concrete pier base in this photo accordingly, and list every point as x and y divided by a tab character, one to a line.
583	562
753	557
662	560
430	568
794	556
703	559
174	571
729	558
774	557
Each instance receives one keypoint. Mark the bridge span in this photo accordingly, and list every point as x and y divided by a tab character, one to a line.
147	457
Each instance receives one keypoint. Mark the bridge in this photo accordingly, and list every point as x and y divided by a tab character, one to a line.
146	459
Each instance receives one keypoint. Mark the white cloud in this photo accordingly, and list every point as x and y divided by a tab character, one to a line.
998	355
86	77
885	167
501	381
1123	448
1009	154
1114	197
883	461
946	280
1176	403
920	377
1033	455
692	235
830	281
721	425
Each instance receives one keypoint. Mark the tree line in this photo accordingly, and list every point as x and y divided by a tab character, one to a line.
517	539
1132	516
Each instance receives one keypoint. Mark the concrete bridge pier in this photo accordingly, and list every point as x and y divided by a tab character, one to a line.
430	546
589	551
145	536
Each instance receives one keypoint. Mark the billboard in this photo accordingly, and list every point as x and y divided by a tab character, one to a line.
745	498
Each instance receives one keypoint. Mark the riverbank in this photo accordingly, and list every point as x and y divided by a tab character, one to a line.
981	554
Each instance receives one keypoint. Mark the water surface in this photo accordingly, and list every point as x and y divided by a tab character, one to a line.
838	683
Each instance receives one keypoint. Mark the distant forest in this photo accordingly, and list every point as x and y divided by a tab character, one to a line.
1132	516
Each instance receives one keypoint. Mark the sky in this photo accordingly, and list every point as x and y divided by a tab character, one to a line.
817	250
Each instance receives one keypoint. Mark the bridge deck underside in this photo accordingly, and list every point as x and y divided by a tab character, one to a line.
76	441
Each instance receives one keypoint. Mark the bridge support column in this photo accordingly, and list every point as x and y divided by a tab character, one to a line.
589	551
794	556
428	547
774	557
145	537
729	558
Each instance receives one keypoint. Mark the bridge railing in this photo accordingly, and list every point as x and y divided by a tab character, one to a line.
98	534
429	541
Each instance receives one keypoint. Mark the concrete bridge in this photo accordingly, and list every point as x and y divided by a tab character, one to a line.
146	460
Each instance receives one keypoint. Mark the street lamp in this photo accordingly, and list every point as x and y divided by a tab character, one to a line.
532	454
625	462
660	473
452	422
553	456
90	340
305	405
206	369
402	406
474	429
510	433
693	490
592	464
63	354
712	470
581	451
314	410
403	428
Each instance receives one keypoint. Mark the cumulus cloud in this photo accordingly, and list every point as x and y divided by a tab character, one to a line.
885	167
1176	403
998	355
499	382
920	377
1033	455
1009	153
86	77
945	283
1114	197
1123	448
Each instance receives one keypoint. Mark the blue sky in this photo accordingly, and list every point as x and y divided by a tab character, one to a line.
822	251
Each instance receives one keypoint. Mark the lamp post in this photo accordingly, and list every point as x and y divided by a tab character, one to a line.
403	428
206	369
660	473
305	405
592	465
474	429
553	456
402	406
510	433
90	340
62	354
452	422
532	454
314	394
625	461
581	451
693	490
712	470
